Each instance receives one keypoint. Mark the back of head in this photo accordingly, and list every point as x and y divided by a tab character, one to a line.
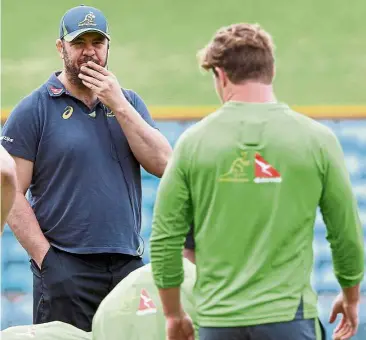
244	51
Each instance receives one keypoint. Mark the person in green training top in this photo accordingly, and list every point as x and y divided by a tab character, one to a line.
252	175
55	330
133	310
8	185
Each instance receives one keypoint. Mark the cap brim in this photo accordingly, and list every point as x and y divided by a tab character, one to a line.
71	36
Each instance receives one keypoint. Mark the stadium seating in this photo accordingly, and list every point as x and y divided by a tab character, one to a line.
13	251
17	311
17	276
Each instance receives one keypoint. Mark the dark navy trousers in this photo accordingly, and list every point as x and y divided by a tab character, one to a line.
292	330
70	287
297	329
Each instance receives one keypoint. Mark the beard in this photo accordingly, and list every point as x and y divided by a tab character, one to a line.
72	69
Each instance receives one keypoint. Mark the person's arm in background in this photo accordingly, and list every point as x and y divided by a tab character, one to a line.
8	184
344	233
22	220
171	220
21	138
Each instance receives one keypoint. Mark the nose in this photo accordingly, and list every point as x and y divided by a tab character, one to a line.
89	50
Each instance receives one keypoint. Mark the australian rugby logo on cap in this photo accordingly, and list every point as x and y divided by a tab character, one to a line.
89	20
82	19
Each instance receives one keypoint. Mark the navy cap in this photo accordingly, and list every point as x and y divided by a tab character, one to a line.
82	19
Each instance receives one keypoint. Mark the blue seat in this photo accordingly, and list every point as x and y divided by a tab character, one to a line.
146	255
352	131
324	305
6	312
319	223
146	258
144	174
17	278
321	248
11	250
21	311
188	123
324	278
149	189
355	164
363	286
171	130
333	125
148	203
362	211
312	279
146	221
7	230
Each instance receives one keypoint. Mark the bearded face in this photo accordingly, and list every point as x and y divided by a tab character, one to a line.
88	47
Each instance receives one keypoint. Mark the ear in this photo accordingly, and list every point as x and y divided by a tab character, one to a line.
60	48
274	72
222	76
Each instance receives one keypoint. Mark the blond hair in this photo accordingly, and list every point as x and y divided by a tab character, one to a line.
244	51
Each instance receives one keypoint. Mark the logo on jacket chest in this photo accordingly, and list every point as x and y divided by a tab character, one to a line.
67	112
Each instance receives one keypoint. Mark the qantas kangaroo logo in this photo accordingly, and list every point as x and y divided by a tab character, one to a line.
146	305
265	172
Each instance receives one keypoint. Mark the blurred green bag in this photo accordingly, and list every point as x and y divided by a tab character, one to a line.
48	331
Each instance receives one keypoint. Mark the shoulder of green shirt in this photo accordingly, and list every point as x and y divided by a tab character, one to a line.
322	136
190	135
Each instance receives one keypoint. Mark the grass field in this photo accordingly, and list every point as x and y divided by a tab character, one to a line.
321	52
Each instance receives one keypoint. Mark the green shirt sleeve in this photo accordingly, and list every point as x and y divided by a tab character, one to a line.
171	220
340	213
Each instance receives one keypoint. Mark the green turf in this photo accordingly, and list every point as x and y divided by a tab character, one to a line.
321	50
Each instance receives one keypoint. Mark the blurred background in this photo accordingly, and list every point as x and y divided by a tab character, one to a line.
321	67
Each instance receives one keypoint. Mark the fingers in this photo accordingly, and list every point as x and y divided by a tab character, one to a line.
340	325
344	333
91	83
98	68
88	85
182	330
336	309
187	328
348	325
188	334
344	330
333	316
90	80
92	73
